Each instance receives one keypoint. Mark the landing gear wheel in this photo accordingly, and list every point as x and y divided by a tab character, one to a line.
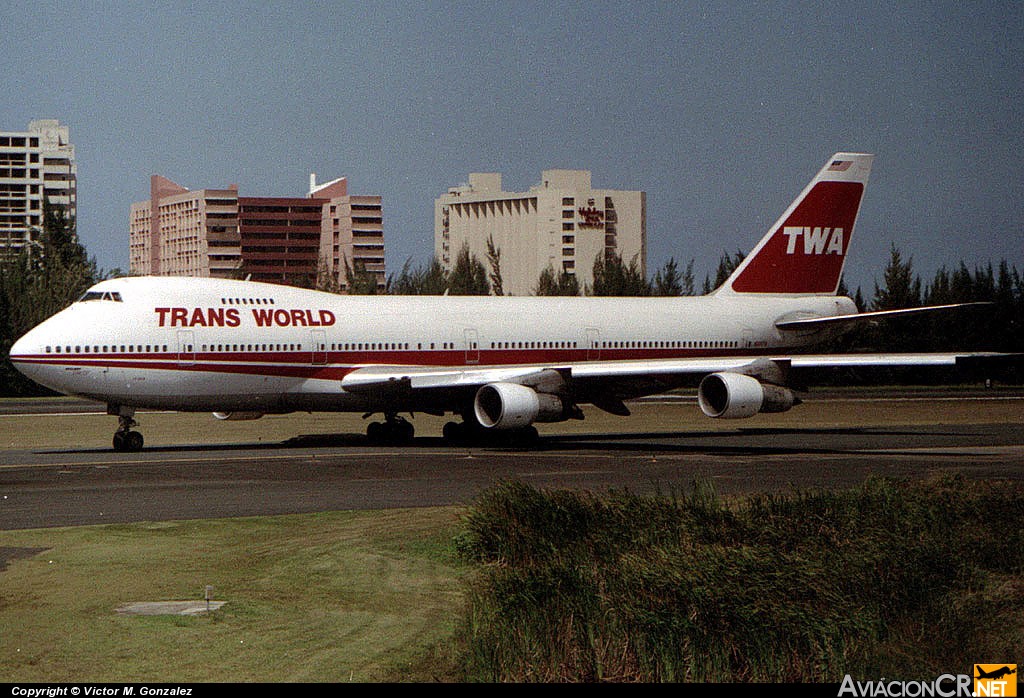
471	434
527	436
465	433
453	432
124	438
405	431
133	440
394	430
128	441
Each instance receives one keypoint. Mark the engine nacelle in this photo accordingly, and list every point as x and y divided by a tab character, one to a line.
735	396
514	406
237	416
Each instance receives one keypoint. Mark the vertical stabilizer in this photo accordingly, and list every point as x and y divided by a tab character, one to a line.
804	252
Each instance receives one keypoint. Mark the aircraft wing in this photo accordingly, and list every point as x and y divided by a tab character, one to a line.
607	383
377	377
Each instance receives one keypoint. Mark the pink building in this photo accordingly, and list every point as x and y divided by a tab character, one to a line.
299	241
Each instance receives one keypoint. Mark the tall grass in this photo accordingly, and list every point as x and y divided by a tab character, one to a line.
891	577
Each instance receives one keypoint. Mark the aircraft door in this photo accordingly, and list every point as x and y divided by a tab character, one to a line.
186	348
472	346
318	339
748	338
593	344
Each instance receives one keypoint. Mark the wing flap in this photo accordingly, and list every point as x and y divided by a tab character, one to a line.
387	378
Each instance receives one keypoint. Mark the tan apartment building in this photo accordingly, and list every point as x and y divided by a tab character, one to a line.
286	240
562	223
353	230
35	165
180	232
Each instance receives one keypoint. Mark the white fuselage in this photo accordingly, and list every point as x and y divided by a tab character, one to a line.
215	345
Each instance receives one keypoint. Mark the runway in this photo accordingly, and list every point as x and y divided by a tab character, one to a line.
46	487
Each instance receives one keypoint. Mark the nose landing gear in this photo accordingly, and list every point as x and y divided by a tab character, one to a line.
126	440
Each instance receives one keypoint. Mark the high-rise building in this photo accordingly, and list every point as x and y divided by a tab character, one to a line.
36	165
280	239
562	224
300	241
353	229
178	232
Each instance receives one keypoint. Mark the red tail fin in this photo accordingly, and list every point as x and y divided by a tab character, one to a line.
804	252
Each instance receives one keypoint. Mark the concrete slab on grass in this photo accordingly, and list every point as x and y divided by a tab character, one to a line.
169	608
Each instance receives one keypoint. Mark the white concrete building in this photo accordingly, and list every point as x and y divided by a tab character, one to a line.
562	222
36	164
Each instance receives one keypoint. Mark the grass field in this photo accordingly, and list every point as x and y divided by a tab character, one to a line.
347	596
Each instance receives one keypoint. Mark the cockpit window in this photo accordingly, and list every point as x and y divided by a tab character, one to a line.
100	296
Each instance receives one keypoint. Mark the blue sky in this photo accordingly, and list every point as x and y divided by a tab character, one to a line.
720	111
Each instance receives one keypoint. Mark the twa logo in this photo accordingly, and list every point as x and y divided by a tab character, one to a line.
815	240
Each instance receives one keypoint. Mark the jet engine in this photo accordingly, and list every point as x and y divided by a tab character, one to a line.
237	416
514	406
735	396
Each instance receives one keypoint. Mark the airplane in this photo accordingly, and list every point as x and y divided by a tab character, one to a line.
996	673
244	349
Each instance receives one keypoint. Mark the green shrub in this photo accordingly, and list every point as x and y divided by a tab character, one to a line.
803	587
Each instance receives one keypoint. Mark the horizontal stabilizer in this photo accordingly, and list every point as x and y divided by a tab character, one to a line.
819	323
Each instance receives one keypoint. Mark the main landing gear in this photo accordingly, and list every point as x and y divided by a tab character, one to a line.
126	440
470	433
396	430
393	430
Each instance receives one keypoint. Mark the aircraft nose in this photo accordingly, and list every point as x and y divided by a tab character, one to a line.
20	348
24	350
30	358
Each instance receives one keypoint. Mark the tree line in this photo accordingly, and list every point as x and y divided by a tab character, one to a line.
996	324
612	276
48	274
